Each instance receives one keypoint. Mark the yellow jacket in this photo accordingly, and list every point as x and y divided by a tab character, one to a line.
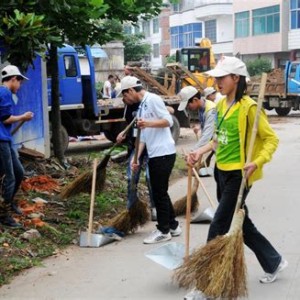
266	140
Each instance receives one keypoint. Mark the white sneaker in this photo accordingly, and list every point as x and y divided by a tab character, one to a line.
157	237
194	295
271	277
177	231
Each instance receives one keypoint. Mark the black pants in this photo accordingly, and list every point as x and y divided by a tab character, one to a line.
160	169
228	185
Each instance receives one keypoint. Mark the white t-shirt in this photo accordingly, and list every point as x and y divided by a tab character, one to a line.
107	86
159	141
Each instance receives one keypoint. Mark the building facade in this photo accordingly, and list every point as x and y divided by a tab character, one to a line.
269	29
191	21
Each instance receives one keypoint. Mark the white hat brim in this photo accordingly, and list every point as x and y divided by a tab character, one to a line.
182	105
217	73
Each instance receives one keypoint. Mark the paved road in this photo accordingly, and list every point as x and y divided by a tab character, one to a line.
121	271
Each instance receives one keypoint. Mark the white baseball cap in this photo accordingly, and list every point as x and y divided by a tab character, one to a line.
185	95
129	82
208	91
229	65
11	70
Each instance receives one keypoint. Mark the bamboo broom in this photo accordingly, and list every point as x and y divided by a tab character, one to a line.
218	269
137	214
180	204
84	181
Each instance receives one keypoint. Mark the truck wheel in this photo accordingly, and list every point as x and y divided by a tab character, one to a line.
282	111
175	129
65	138
113	131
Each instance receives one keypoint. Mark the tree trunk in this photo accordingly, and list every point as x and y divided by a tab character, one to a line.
55	108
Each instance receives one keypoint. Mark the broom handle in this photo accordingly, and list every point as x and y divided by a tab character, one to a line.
124	132
204	189
188	213
17	127
252	139
135	157
129	126
92	200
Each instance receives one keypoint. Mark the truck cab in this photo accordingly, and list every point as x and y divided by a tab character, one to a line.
195	59
292	77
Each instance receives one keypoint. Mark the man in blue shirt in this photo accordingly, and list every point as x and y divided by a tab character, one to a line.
11	168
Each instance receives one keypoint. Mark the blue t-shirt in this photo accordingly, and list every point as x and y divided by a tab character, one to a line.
6	110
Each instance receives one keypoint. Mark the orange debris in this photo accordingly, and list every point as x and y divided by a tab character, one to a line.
42	183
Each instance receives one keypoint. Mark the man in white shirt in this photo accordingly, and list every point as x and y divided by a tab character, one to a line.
107	88
155	121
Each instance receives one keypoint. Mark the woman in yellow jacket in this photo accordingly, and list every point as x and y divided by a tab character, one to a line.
235	118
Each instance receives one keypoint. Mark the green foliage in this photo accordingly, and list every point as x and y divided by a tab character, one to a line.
258	66
171	59
135	47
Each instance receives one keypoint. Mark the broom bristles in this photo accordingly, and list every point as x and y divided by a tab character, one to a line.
217	269
130	219
180	205
83	184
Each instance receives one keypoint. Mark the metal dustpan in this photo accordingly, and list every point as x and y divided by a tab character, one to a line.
89	240
169	255
97	240
204	216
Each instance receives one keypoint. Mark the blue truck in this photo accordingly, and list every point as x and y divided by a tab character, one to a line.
282	89
82	113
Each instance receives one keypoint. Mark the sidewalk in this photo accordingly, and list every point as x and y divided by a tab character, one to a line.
121	271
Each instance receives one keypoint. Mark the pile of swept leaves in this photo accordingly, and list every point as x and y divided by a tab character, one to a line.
57	221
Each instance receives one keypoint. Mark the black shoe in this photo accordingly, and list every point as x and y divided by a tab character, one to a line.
9	221
15	209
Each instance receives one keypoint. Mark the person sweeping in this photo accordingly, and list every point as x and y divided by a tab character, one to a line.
235	119
155	121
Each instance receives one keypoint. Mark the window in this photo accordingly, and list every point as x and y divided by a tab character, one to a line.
186	35
266	20
136	29
155	25
295	14
242	24
146	28
155	50
127	29
176	37
70	66
176	8
211	30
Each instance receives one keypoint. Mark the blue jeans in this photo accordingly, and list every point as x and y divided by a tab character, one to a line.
160	169
228	185
132	193
12	169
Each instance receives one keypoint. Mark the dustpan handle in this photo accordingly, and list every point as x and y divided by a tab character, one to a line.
213	205
93	190
253	137
188	212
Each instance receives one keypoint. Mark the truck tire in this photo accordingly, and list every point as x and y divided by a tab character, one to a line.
282	111
175	129
65	138
112	132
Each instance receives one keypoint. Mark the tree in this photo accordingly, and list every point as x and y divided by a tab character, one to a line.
135	48
28	26
258	66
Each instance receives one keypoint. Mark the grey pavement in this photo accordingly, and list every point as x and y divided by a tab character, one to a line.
121	271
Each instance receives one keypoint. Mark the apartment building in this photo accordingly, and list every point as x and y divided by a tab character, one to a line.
192	20
269	28
157	34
